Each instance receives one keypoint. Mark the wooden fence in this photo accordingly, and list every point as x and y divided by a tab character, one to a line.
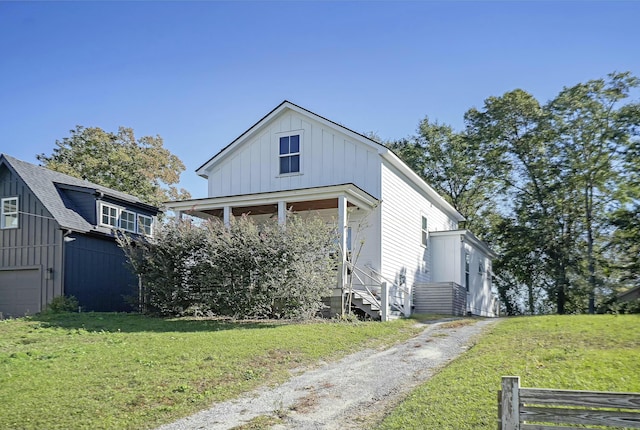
545	409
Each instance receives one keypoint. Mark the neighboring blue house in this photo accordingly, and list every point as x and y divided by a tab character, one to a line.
57	238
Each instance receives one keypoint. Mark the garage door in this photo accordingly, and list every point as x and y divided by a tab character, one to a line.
19	292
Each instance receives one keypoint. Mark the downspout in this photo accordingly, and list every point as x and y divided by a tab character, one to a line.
63	253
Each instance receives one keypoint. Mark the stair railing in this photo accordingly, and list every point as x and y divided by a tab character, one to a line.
366	292
398	294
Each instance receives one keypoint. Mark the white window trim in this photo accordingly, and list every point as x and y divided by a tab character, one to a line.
300	134
3	213
425	231
150	225
467	271
100	214
135	220
118	219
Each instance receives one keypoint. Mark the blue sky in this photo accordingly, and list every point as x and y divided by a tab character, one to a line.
200	73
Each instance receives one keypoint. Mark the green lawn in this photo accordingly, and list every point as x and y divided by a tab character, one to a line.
119	371
600	352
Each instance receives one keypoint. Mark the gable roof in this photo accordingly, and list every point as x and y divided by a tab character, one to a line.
382	150
45	184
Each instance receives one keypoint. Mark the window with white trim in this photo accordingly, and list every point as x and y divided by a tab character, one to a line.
467	264
289	150
118	217
145	225
425	231
128	220
108	215
9	212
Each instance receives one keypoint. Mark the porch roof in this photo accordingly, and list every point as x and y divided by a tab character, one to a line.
302	199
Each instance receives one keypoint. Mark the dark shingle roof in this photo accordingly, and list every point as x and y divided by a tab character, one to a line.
43	183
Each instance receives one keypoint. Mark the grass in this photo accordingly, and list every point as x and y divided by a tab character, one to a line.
122	371
566	352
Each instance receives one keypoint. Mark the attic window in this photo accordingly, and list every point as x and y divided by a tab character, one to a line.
9	213
128	221
290	154
109	215
145	224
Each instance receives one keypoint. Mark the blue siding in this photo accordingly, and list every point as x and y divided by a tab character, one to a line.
82	202
96	273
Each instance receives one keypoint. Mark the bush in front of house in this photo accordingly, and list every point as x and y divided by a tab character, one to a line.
245	270
61	304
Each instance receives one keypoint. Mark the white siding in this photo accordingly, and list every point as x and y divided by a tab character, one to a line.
402	208
449	266
328	157
479	299
447	263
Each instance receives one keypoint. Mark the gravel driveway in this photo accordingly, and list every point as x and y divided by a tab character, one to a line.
352	393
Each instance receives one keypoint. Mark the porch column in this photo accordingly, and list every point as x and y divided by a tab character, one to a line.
226	215
282	212
342	266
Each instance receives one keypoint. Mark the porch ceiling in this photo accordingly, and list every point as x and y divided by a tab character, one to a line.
299	200
305	206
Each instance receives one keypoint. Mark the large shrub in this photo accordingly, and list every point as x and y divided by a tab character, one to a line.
244	270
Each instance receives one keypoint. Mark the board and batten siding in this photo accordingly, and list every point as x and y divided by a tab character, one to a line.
327	157
36	243
111	286
403	205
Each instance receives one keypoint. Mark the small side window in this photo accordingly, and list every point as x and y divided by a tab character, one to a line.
467	263
9	213
425	231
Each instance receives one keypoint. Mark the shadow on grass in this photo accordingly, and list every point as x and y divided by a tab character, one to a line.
131	322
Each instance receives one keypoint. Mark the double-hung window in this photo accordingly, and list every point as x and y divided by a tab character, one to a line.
425	231
290	154
467	264
9	212
128	220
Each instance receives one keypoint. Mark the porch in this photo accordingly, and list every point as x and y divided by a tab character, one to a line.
337	203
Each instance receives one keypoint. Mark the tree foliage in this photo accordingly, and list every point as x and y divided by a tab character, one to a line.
556	184
141	167
244	270
453	164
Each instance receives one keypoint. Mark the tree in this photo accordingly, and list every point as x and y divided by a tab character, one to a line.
591	133
452	163
625	219
141	167
514	133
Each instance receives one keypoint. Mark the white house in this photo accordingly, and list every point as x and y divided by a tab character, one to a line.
294	159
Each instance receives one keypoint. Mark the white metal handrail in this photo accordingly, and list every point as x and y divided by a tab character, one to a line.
399	300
